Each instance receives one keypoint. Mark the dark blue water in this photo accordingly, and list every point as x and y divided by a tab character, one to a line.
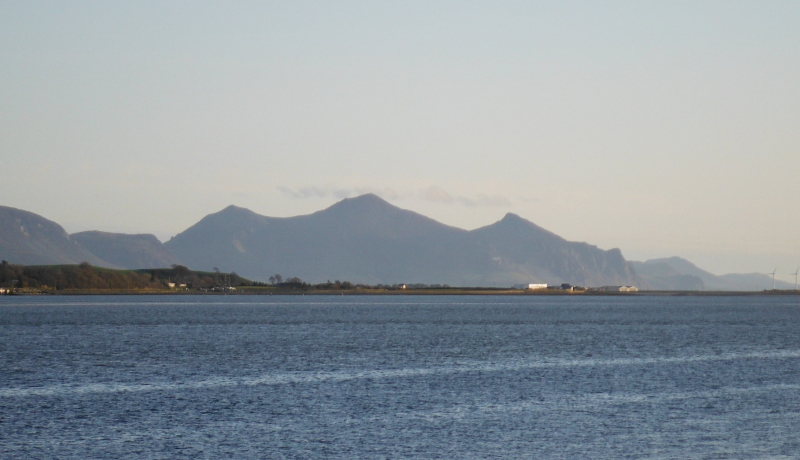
396	377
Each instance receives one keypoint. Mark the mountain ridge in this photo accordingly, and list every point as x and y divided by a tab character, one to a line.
29	238
677	273
362	239
142	250
366	239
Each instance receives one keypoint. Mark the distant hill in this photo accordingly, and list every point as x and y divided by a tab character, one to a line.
128	251
753	281
366	239
29	239
663	277
675	273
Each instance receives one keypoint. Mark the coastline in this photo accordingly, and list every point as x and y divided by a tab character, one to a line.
245	291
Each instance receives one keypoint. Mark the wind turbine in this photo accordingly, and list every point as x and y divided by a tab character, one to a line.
773	277
795	277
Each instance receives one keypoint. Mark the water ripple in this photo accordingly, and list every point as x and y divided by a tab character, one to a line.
283	378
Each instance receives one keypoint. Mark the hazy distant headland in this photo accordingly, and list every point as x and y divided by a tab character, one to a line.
366	241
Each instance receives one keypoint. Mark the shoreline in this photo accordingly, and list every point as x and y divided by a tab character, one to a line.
404	292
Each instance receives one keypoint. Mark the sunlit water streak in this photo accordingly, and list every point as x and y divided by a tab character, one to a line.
282	378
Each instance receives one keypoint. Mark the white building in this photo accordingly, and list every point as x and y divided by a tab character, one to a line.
530	286
619	289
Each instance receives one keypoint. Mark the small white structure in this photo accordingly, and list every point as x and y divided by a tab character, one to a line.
530	286
619	289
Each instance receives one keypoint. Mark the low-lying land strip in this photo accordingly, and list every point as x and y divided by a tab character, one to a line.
85	279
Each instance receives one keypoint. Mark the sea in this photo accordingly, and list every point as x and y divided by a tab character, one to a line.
385	377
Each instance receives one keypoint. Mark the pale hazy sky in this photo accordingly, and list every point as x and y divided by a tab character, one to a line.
661	128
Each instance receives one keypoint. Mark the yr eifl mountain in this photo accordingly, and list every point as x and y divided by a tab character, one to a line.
363	240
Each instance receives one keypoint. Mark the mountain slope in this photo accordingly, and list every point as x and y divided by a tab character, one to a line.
753	281
663	273
522	250
127	251
365	239
662	276
30	239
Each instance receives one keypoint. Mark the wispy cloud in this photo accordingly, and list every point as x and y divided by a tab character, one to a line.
433	194
491	201
439	195
303	192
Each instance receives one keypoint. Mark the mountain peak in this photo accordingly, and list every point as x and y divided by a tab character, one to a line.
367	199
513	224
367	203
233	212
233	208
514	220
511	217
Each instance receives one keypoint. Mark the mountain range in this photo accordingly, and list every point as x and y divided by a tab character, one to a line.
364	240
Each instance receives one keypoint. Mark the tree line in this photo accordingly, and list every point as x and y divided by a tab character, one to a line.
86	276
296	283
82	276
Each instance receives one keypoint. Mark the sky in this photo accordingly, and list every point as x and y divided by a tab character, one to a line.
663	128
